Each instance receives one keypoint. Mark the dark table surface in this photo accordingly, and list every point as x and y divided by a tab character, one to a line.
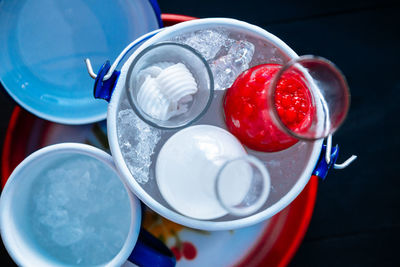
356	220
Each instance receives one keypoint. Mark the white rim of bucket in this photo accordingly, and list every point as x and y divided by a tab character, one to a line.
13	245
142	194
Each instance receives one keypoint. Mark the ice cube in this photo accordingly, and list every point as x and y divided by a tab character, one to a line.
241	53
226	68
224	72
207	42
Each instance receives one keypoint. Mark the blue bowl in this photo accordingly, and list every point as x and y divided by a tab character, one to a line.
44	43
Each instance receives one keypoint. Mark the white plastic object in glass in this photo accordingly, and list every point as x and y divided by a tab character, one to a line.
169	55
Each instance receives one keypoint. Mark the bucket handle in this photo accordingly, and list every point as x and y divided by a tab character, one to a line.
107	76
328	156
120	57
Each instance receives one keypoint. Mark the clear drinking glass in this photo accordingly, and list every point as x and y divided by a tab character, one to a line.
164	54
242	185
329	93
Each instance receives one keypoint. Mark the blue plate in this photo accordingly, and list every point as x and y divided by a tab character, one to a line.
43	44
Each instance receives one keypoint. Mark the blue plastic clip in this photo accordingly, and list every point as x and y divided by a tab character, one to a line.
104	89
322	167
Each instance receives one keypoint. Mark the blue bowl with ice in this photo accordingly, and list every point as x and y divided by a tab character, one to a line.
72	208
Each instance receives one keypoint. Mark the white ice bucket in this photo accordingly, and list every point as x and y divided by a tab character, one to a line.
290	170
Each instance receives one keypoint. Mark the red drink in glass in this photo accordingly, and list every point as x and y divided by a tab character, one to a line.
248	114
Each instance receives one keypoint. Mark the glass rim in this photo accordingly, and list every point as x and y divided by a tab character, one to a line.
263	196
138	112
271	95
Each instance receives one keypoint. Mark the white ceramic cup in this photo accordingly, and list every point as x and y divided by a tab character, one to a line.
15	224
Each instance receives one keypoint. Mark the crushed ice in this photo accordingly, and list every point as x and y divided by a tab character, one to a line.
72	203
137	141
207	42
227	68
226	56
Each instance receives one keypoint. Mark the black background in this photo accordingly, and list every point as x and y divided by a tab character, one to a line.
356	217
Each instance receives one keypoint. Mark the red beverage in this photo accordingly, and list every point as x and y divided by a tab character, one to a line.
248	114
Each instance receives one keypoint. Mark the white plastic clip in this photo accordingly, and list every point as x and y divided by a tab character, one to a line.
328	149
346	163
328	156
90	69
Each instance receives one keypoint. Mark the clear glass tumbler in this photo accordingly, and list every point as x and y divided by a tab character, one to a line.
329	93
242	185
161	56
